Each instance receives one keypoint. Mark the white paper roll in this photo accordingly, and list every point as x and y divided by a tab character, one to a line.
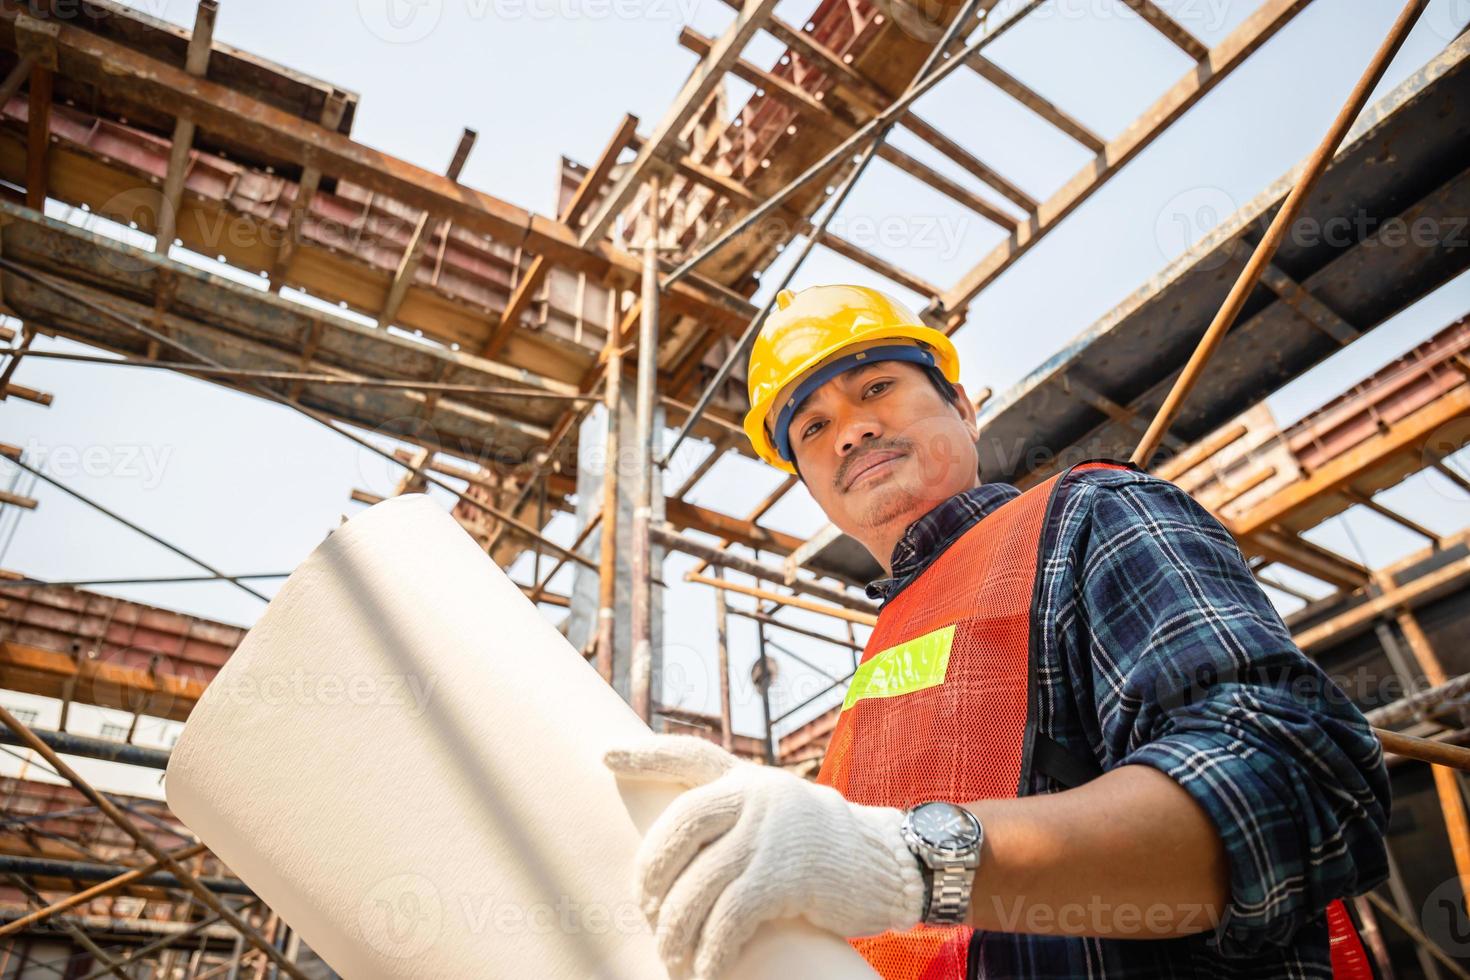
403	758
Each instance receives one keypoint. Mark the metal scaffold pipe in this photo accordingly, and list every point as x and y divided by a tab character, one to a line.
76	495
185	879
607	566
640	669
47	282
1250	276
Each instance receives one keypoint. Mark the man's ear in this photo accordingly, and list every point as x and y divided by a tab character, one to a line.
966	408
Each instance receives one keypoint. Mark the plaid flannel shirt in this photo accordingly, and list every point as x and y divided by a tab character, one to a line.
1158	648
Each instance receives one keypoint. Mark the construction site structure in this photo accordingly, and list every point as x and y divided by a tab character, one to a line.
512	357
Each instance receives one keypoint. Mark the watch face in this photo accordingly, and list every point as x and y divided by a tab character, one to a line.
945	825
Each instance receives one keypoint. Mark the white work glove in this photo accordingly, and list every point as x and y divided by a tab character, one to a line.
747	843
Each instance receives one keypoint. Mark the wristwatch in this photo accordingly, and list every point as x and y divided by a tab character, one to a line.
946	838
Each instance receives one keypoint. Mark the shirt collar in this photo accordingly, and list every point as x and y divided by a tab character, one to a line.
928	536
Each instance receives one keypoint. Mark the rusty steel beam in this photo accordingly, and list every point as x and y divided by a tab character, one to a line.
38	138
597	176
16	78
722	664
1311	173
795	601
16	500
1153	15
1407	436
745	566
1440	466
706	77
775	623
234	115
311	180
1294	552
860	146
196	63
808	46
738	193
819	112
1222	59
1046	109
1440	582
876	131
607	565
131	828
318	417
529	282
413	254
1446	784
1445	755
1409	383
53	674
1450	694
717	452
102	888
863	94
644	475
1388	512
759	511
692	517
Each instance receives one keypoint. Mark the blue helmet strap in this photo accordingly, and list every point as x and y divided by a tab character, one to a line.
891	352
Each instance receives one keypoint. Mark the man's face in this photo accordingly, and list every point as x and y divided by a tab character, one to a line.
879	447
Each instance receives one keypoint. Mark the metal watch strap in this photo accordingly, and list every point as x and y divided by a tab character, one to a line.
950	885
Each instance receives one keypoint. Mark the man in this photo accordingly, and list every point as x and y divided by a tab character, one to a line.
1080	743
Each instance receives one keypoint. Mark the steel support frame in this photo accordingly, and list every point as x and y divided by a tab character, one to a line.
1198	82
208	898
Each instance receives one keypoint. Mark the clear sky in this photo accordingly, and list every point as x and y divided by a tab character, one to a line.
253	488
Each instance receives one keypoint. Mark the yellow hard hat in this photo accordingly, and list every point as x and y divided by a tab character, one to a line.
817	334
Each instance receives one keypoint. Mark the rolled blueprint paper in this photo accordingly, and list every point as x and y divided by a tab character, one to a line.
404	759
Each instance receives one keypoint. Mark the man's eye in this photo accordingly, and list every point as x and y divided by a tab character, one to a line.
878	386
811	429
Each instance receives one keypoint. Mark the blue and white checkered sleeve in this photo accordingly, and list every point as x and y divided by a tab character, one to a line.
1195	674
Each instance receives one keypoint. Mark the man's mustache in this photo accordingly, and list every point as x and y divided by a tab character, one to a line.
890	444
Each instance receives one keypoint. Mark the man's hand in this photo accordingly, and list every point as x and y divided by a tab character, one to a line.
746	843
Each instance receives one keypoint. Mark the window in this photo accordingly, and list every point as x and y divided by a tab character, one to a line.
26	716
118	733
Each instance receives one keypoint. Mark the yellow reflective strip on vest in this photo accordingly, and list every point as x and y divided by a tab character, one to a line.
911	666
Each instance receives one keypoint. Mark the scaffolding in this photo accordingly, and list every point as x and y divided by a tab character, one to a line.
497	333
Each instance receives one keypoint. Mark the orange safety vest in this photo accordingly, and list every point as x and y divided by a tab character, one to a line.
940	709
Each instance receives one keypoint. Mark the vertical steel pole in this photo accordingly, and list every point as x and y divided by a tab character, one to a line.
540	526
640	671
1405	906
722	643
607	581
762	680
235	956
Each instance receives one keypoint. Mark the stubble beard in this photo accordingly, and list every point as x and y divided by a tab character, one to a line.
888	504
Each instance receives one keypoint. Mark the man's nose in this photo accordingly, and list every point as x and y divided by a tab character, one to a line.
854	432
